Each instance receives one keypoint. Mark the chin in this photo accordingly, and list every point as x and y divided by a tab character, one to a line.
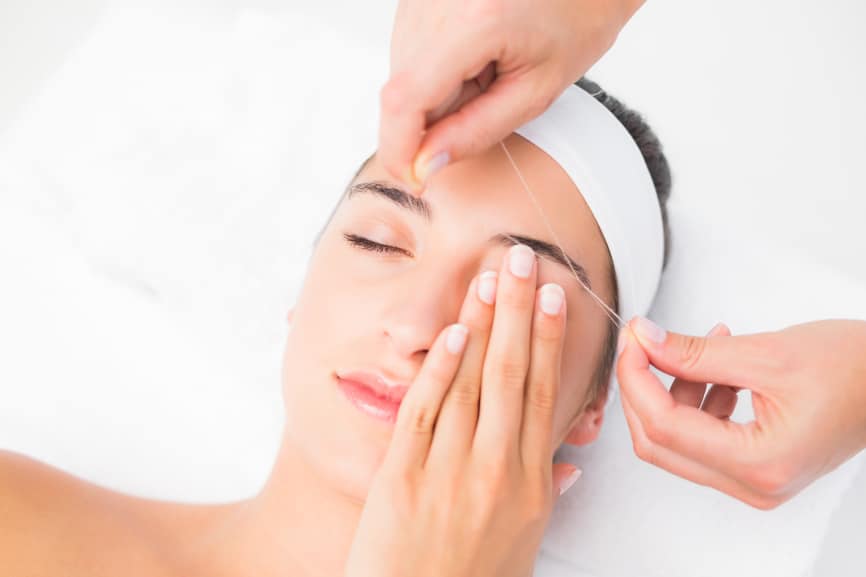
350	475
341	452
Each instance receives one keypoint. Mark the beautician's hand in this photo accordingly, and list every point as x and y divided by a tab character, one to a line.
522	53
466	488
808	385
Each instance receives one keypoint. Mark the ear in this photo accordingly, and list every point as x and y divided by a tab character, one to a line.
587	424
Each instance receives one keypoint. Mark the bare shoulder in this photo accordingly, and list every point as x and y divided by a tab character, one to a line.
52	521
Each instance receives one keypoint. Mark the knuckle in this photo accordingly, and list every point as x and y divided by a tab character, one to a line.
421	419
542	395
536	107
511	372
692	351
644	450
770	480
394	95
473	137
655	427
537	506
541	102
465	391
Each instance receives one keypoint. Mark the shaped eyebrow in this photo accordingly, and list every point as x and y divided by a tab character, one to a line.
422	208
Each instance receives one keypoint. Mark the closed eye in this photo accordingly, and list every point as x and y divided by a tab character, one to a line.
367	244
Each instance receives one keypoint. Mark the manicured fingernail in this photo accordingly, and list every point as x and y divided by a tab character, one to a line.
649	330
569	481
456	339
621	342
716	330
487	286
432	166
552	296
520	260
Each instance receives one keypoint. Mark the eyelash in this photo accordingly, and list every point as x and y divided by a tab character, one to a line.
369	245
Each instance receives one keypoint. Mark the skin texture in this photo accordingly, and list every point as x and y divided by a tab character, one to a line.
466	73
356	309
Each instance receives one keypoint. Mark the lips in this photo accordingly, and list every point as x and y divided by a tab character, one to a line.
372	393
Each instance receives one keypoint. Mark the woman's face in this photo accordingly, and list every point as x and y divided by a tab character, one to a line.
364	310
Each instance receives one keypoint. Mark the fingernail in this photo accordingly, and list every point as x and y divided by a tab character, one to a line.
716	329
520	260
569	481
552	296
487	286
456	338
621	342
649	330
433	165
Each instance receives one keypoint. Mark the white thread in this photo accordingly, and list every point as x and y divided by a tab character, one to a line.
611	314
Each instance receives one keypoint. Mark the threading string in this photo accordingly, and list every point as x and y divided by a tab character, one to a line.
611	314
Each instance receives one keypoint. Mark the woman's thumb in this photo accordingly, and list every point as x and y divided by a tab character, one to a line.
564	476
717	358
480	123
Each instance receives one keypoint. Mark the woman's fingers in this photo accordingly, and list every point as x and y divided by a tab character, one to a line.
683	467
691	393
469	90
507	360
741	361
427	84
510	101
720	401
455	428
800	432
419	410
542	384
722	445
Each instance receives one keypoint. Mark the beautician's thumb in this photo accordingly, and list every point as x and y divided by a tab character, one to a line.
482	122
713	359
564	476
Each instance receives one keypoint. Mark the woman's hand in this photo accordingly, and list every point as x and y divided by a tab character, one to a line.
467	485
471	71
808	385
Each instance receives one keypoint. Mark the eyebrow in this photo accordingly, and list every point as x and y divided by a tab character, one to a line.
422	208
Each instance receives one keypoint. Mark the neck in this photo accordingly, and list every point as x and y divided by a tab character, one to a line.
297	525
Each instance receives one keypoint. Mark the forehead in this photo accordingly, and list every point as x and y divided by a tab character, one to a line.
484	195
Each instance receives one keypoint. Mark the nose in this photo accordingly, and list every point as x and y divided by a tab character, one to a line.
420	312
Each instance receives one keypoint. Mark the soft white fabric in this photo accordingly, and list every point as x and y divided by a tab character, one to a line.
602	159
157	204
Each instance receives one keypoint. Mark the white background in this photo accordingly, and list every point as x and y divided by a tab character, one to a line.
164	167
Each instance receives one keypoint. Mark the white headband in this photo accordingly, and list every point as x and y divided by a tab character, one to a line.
604	162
